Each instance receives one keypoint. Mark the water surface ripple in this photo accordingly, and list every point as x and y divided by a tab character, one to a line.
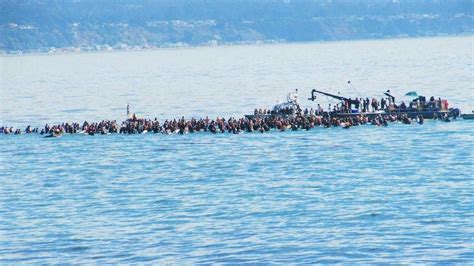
364	195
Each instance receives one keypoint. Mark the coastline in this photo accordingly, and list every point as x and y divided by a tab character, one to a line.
179	46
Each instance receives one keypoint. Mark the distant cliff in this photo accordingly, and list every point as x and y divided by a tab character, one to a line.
48	25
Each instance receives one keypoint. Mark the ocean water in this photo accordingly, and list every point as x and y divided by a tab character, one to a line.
402	194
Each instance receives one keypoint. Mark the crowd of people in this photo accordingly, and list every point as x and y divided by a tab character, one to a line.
299	121
374	105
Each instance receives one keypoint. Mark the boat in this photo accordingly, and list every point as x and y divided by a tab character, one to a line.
286	109
468	116
432	109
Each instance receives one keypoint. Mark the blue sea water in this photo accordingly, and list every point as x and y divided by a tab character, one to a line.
401	194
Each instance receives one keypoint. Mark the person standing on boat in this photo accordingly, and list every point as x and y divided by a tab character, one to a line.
357	104
432	102
382	104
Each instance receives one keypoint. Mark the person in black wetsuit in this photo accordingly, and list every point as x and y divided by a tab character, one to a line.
420	119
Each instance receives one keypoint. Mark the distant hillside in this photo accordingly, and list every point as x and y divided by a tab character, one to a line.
46	25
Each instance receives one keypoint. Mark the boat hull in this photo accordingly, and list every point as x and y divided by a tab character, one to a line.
261	116
410	113
468	116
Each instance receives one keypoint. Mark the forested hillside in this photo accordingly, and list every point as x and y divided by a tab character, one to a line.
46	25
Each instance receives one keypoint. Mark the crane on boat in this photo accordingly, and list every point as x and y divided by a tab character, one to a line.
340	98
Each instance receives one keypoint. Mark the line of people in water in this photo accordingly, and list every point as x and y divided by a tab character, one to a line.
219	125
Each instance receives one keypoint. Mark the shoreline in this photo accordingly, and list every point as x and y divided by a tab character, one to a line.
230	44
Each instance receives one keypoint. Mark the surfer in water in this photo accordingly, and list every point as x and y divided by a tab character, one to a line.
262	124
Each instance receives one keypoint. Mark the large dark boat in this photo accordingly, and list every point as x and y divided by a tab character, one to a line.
419	106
